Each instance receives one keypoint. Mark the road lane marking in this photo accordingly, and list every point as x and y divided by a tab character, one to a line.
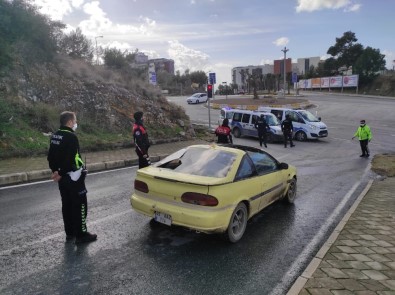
62	233
305	255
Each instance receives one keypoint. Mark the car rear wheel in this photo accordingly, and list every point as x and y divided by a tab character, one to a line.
236	132
300	136
238	223
291	193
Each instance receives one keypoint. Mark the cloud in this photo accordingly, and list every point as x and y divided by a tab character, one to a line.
313	5
389	59
55	9
187	58
266	62
281	41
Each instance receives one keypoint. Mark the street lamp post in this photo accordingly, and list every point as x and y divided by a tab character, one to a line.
285	50
97	60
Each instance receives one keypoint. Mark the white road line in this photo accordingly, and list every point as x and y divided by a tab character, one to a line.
305	254
59	234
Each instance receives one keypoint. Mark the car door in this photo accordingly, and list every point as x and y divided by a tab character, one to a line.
248	128
271	177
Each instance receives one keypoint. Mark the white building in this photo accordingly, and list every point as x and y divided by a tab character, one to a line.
303	64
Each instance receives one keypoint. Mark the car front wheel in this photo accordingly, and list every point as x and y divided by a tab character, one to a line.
300	136
238	223
291	193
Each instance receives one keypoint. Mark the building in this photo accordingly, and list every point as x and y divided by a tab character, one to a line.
141	58
303	64
279	66
239	74
163	64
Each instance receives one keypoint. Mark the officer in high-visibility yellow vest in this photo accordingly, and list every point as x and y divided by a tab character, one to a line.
365	136
69	172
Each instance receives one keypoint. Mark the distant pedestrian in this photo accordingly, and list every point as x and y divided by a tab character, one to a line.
365	136
141	141
263	128
69	172
287	128
223	132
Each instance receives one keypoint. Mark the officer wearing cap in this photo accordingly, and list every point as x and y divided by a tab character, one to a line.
141	141
365	136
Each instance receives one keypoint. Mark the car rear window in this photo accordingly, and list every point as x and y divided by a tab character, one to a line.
200	161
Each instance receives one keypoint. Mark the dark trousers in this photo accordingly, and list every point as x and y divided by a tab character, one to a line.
74	205
143	162
364	147
262	138
288	136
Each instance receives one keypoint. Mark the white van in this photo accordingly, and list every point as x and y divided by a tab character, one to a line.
243	122
226	112
306	125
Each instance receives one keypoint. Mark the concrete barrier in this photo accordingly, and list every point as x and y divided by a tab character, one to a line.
39	175
115	164
14	178
96	167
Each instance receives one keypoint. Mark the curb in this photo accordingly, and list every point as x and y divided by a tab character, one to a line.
37	175
314	264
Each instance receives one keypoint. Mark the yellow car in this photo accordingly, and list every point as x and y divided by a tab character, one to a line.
212	188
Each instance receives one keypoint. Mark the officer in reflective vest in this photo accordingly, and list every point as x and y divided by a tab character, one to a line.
364	135
68	171
141	141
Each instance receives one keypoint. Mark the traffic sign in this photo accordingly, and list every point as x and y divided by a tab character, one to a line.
294	77
211	78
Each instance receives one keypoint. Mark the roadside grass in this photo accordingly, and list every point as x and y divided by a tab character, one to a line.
384	164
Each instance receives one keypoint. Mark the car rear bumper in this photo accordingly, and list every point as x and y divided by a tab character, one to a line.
195	217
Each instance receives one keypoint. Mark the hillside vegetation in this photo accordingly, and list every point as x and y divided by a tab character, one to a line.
41	76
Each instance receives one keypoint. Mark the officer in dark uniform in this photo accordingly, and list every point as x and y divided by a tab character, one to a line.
287	128
67	169
262	127
141	141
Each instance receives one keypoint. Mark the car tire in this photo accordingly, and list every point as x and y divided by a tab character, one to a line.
290	195
237	223
236	132
300	136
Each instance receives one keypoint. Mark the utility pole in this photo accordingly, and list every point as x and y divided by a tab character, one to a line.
97	60
285	50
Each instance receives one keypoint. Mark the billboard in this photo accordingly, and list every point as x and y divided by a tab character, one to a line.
336	81
316	83
325	82
350	81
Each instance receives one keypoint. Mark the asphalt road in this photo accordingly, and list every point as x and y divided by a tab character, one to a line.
131	257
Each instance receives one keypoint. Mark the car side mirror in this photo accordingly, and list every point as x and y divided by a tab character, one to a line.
283	166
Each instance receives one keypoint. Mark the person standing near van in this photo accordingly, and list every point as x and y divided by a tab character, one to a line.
223	132
262	127
365	136
141	141
287	128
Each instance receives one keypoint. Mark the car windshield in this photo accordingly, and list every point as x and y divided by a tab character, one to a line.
196	95
199	161
272	120
308	116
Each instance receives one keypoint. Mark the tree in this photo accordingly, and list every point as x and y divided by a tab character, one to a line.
346	51
114	58
198	77
369	63
77	45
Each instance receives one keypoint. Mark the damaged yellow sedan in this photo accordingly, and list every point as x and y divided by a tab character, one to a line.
212	188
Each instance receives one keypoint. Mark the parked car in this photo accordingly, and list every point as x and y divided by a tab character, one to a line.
212	188
197	98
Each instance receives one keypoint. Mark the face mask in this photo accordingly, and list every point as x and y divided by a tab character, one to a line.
362	125
75	126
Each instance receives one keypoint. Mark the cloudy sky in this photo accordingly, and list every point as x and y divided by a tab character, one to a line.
216	35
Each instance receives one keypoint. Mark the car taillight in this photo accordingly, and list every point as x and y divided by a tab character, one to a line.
140	186
199	199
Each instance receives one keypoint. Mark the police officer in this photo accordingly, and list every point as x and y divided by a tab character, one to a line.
65	161
141	141
262	127
287	128
365	136
223	132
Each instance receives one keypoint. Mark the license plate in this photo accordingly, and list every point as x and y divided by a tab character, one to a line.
163	218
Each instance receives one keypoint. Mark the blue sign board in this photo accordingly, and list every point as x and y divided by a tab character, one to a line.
294	78
211	78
